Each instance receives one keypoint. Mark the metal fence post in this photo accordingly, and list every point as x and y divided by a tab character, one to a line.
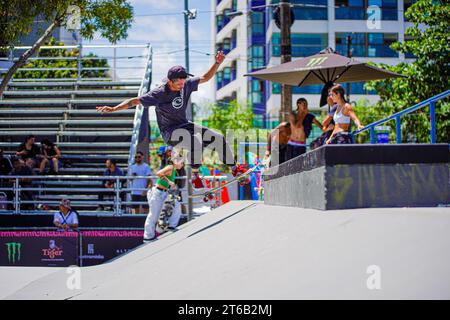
372	135
433	121
79	66
80	243
398	129
16	196
117	198
220	192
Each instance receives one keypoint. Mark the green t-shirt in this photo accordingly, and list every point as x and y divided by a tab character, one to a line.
164	182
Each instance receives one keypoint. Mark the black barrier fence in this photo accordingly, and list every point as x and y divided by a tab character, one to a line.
50	248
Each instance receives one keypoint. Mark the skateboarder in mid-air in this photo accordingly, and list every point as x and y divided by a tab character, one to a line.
170	100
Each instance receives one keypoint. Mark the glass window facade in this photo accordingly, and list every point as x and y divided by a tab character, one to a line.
256	60
257	23
256	91
311	9
228	44
367	44
357	9
303	44
234	5
355	88
226	75
233	39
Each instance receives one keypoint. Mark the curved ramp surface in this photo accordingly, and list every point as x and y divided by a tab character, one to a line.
248	250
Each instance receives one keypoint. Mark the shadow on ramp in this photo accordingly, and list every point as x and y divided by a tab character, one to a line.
221	220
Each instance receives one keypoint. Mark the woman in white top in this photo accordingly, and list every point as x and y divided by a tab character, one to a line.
342	117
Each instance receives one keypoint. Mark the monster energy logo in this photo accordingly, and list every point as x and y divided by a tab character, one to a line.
316	61
13	251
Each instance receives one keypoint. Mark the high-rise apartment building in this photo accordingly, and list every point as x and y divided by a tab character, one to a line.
246	31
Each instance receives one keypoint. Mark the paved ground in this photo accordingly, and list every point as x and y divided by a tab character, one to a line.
248	250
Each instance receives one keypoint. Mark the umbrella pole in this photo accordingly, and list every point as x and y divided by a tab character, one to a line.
349	55
286	90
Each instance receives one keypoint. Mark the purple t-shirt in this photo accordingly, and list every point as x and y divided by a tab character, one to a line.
170	105
307	123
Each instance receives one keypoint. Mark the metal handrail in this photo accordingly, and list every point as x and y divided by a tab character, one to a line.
80	58
116	192
85	46
397	116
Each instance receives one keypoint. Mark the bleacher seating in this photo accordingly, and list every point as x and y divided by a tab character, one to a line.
65	113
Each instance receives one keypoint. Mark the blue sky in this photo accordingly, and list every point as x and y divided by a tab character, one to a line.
161	23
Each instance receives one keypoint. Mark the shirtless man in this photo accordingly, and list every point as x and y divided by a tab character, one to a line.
301	127
288	139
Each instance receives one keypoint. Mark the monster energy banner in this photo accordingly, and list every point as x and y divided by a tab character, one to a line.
101	246
38	248
61	249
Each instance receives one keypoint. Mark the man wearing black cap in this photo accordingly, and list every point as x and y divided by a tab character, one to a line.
171	101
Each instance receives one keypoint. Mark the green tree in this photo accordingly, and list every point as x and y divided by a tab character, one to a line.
233	115
427	76
60	62
111	18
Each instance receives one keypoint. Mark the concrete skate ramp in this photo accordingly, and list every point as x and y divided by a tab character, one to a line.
248	250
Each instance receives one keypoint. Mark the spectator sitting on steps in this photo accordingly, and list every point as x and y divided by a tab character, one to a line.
49	152
29	149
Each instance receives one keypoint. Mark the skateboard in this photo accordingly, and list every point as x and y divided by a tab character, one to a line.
242	179
167	211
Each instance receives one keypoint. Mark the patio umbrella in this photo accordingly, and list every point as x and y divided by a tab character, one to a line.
326	67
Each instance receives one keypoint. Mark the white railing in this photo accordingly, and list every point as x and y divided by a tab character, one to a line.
13	185
82	57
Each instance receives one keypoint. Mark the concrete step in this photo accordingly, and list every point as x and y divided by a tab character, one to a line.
80	133
77	145
28	84
68	93
74	112
61	102
90	171
95	121
99	154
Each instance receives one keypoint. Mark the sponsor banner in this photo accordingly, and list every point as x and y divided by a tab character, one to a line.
38	248
101	246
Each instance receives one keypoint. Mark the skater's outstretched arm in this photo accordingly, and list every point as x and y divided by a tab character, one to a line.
130	103
208	75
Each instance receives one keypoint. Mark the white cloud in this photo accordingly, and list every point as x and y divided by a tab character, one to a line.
166	34
151	29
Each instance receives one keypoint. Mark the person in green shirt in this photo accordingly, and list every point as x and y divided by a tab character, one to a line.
158	194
